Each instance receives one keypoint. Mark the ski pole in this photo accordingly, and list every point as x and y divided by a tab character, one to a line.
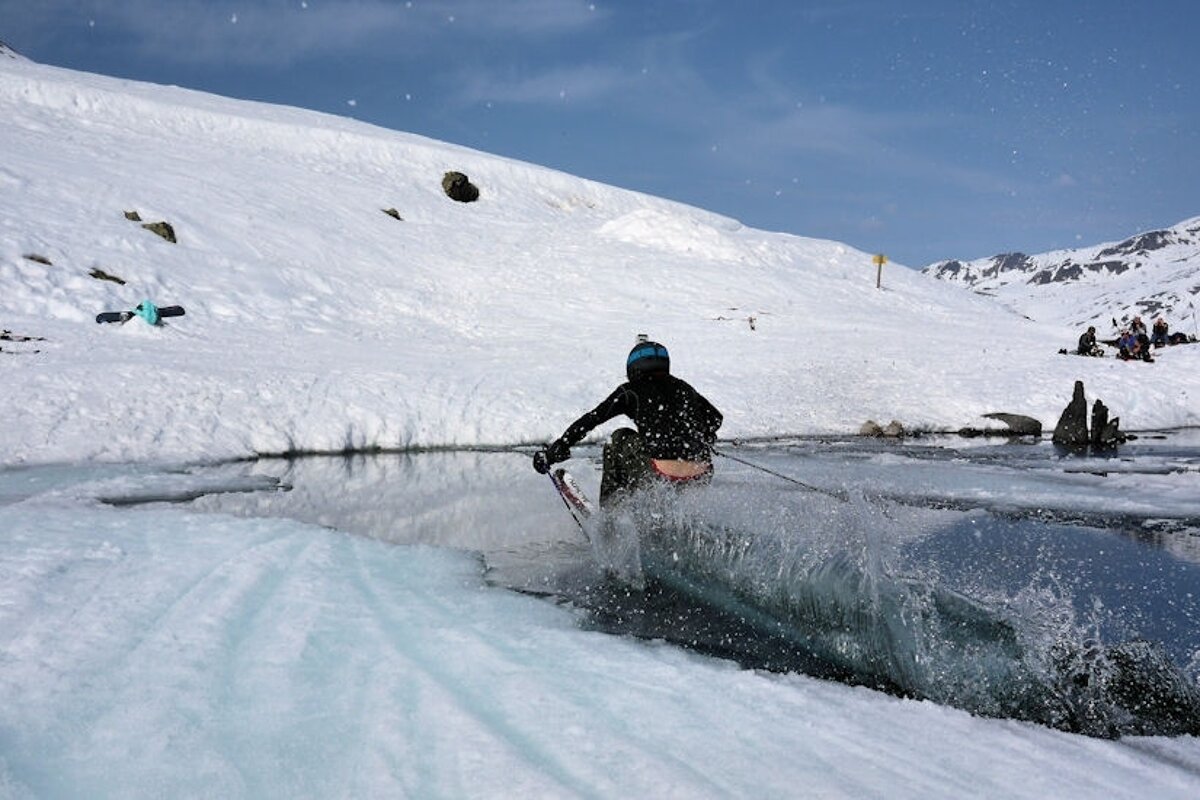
830	493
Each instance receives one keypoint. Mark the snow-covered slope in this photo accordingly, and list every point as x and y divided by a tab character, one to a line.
315	321
1151	274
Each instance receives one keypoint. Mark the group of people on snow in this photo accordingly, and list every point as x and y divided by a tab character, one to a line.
1133	343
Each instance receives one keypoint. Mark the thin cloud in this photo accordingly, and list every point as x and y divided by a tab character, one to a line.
284	31
584	83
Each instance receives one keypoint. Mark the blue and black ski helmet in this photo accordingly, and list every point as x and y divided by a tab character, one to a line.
647	358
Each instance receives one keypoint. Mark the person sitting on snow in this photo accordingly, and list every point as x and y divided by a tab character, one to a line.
1087	343
1158	336
1126	345
1143	346
676	428
1134	346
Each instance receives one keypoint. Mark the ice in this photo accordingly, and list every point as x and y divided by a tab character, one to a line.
160	650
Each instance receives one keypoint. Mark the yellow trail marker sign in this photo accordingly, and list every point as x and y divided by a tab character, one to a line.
879	261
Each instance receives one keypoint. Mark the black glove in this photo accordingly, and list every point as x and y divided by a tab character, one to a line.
553	454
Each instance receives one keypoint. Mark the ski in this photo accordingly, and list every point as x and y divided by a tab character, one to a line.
573	497
571	491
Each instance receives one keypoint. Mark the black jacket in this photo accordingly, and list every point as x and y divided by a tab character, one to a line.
675	420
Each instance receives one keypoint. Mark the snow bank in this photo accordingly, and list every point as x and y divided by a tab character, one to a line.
317	322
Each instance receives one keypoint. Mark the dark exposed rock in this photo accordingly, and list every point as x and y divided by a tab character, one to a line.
37	258
1142	243
1072	428
391	212
458	186
1018	424
1070	271
163	229
1066	272
1008	262
948	270
1106	433
1111	267
133	216
8	336
101	275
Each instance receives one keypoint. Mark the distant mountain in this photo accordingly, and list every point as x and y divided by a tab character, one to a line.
8	52
1151	274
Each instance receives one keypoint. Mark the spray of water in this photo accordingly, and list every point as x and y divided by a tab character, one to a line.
825	575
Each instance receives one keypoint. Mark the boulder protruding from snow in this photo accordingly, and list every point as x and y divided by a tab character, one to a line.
163	229
1106	433
458	186
893	430
1018	424
1072	429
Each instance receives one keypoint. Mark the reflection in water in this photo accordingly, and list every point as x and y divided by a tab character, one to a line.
999	614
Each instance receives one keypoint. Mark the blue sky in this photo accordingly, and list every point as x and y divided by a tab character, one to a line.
923	130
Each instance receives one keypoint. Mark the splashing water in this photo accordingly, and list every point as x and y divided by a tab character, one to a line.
827	578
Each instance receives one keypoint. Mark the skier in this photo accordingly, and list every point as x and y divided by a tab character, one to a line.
676	428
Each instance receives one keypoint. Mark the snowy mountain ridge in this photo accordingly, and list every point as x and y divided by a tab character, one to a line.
1151	274
8	52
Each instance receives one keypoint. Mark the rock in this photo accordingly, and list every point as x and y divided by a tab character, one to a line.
391	212
1106	433
37	258
893	430
163	229
1072	429
101	275
458	186
133	216
1018	424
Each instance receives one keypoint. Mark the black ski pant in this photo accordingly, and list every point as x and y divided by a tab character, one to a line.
626	466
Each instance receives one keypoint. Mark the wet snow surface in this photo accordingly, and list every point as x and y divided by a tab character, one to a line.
346	627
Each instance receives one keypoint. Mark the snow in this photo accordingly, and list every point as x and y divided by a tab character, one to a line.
317	322
161	651
181	651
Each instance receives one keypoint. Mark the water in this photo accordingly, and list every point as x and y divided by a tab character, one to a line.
996	577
